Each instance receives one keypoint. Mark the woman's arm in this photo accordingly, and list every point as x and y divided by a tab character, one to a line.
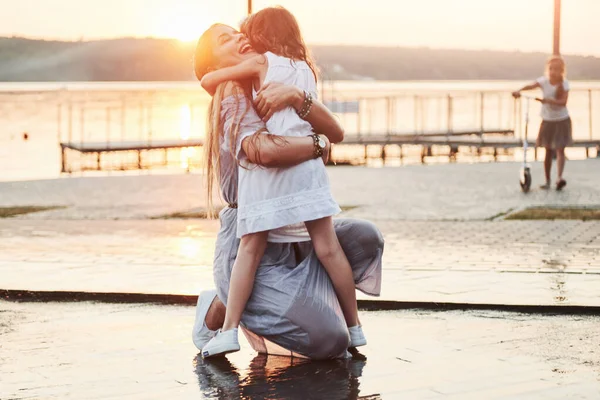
276	96
531	86
281	152
249	68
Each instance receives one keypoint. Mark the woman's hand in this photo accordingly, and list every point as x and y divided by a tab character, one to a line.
275	96
326	150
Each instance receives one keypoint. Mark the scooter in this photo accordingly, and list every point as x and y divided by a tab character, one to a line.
525	179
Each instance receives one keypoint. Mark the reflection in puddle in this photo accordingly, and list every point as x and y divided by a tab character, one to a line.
276	377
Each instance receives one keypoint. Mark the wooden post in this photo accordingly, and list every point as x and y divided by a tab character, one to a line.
62	158
249	7
556	47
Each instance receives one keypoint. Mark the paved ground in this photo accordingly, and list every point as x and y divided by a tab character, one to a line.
102	351
414	192
445	242
501	262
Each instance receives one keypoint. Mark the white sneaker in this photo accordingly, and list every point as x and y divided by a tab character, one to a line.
223	343
200	333
357	337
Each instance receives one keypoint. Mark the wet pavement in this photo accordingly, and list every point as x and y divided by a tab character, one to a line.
472	262
117	351
446	242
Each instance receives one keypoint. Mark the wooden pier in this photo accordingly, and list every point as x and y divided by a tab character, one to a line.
490	121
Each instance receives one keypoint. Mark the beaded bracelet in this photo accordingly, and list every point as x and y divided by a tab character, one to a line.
306	105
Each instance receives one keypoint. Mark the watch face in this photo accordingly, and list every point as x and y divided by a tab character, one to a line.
321	143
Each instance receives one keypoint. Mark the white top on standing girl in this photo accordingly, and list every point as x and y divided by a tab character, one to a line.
555	131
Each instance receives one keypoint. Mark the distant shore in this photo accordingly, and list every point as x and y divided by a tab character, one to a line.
128	59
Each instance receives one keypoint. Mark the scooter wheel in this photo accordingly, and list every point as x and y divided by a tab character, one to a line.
525	180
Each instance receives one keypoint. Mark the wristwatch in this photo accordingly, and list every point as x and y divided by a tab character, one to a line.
319	145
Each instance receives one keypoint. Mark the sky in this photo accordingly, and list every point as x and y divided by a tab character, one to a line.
524	25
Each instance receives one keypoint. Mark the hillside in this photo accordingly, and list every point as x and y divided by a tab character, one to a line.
170	60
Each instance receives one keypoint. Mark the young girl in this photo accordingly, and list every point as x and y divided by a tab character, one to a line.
555	130
281	205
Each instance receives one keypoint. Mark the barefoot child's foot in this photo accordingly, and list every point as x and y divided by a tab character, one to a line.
561	184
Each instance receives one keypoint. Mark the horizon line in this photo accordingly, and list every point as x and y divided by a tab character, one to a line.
191	42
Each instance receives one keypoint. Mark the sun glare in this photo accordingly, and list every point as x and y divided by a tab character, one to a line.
186	27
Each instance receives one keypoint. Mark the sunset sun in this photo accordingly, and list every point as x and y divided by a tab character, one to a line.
186	27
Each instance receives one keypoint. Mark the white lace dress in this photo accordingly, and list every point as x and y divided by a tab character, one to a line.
280	200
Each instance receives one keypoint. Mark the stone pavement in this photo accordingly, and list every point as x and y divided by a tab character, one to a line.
445	243
117	351
474	262
414	192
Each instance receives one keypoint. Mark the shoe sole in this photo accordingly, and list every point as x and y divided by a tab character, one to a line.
205	300
220	351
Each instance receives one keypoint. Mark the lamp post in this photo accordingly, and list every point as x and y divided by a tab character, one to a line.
556	47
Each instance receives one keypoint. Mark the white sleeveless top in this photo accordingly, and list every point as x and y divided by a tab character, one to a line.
280	200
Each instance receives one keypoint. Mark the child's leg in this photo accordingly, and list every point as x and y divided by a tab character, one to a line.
330	253
250	252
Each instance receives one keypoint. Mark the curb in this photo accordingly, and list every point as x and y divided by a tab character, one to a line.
28	296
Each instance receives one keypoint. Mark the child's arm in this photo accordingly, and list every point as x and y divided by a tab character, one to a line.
275	96
531	86
247	69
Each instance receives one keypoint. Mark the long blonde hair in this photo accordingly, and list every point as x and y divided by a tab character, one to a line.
204	62
561	62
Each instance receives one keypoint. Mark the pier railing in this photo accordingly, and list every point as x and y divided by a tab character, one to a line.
151	126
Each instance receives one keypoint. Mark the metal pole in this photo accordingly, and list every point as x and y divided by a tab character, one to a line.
449	116
482	107
556	49
108	127
59	121
590	111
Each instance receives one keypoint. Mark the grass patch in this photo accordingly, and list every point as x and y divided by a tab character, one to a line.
552	213
500	214
7	212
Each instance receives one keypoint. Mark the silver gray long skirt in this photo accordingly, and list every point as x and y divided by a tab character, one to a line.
293	309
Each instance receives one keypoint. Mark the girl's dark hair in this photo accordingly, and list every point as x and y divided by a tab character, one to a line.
275	29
